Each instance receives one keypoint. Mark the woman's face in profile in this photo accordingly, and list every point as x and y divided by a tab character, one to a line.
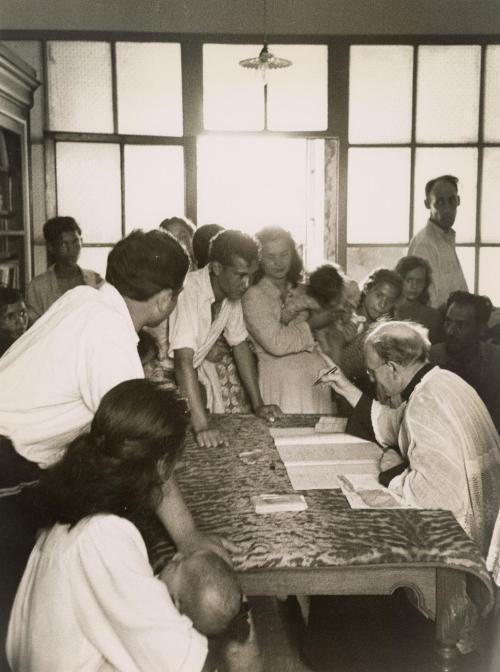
276	258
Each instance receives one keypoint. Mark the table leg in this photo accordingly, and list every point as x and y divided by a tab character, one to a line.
451	605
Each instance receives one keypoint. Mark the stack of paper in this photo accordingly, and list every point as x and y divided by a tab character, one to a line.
365	492
313	461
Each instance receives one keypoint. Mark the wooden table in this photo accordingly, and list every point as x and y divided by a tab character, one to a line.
329	548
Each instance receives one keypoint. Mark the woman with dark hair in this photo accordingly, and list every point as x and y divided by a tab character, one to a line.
379	293
288	358
414	305
88	599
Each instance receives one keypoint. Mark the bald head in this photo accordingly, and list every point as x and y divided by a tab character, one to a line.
404	343
205	588
394	353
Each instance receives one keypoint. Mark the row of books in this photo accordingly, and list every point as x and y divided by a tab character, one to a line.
9	273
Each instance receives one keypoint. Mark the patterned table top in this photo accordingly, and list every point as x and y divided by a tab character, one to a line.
218	483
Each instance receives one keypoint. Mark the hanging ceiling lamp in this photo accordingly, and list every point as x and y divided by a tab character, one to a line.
265	61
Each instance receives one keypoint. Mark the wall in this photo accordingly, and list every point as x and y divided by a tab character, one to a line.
304	17
314	17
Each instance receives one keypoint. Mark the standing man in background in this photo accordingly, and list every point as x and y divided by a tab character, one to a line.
436	242
64	243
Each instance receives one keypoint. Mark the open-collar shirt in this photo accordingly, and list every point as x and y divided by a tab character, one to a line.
53	378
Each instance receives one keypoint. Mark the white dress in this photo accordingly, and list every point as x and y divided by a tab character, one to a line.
89	602
289	362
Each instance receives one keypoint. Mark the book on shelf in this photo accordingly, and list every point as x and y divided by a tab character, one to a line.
9	273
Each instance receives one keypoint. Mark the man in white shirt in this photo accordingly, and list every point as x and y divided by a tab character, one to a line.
64	243
210	306
54	376
436	242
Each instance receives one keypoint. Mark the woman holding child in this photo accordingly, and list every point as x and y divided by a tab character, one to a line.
88	599
288	357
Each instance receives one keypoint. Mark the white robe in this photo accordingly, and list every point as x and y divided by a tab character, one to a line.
447	435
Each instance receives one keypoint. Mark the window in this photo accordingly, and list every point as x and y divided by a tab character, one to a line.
414	114
139	131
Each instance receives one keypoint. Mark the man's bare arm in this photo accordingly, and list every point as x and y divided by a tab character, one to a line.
187	379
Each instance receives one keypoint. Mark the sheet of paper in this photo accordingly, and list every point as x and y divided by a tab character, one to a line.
323	476
280	432
315	439
363	491
305	454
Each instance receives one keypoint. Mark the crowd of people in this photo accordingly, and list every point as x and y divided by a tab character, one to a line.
232	324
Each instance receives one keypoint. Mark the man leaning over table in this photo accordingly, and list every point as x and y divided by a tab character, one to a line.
441	448
53	378
208	307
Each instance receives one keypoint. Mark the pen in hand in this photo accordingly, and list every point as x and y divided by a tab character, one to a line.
327	373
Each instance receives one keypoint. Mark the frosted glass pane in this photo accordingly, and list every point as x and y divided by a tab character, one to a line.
448	93
490	201
88	188
95	258
492	94
248	183
149	86
297	96
378	195
362	260
80	91
154	185
233	97
489	263
431	162
467	257
380	94
39	258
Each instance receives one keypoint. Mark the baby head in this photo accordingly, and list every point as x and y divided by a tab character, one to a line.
326	285
205	588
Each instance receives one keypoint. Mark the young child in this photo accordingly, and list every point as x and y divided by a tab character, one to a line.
414	303
204	588
13	317
328	288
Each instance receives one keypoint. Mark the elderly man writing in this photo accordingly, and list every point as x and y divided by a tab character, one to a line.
442	449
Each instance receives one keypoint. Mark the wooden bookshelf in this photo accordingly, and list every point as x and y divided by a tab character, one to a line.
17	85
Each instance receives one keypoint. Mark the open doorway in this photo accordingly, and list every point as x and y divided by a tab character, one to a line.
247	182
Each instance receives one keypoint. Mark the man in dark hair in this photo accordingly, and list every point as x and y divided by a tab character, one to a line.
13	317
210	306
436	242
182	229
63	237
52	381
201	242
465	353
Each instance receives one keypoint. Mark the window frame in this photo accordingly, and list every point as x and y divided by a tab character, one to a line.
338	90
